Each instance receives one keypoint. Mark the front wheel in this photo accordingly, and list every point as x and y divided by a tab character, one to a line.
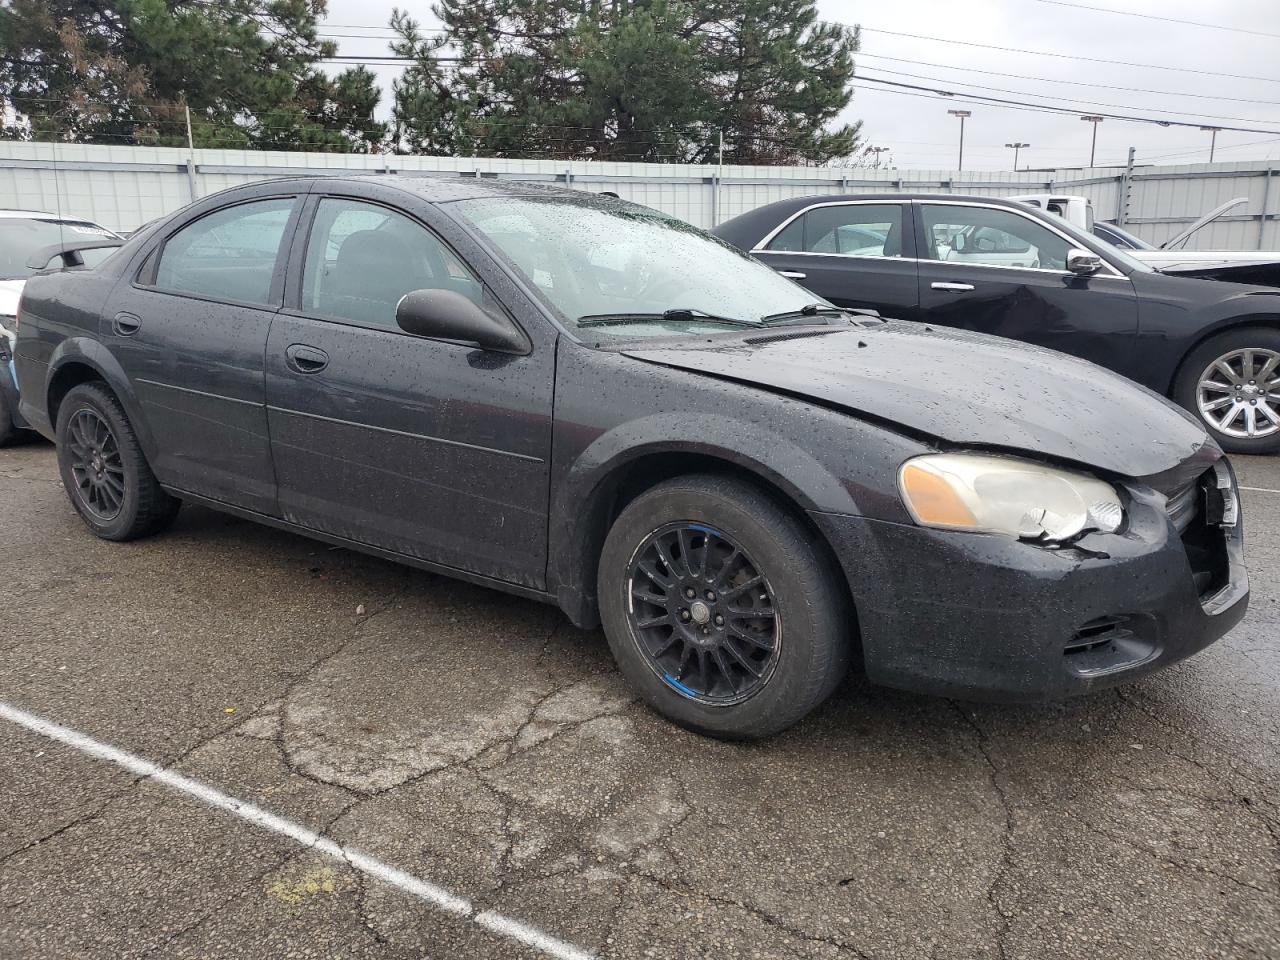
720	609
1232	383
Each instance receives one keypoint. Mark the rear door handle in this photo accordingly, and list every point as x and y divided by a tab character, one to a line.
304	359
792	274
126	324
952	287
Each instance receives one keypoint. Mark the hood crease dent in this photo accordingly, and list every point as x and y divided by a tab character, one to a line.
967	390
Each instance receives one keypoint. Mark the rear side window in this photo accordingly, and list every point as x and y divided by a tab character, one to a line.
362	259
850	230
229	254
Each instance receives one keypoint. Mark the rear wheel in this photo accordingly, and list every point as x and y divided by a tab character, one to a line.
1232	383
104	470
720	609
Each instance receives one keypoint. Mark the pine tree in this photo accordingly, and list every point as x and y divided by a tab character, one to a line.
626	80
122	73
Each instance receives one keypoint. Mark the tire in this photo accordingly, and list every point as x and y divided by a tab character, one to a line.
701	519
8	432
143	507
1228	346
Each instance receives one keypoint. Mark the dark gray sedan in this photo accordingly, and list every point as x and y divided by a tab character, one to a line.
586	402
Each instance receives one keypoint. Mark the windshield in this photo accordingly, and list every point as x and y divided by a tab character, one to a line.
632	271
20	237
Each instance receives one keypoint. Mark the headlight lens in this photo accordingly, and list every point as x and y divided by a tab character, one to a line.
1019	498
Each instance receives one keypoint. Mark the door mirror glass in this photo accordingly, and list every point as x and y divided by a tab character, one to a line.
449	315
1083	262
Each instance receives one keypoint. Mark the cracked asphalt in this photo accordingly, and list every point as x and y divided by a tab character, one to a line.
481	743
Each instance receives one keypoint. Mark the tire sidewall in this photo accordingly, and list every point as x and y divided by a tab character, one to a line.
1186	389
804	623
95	399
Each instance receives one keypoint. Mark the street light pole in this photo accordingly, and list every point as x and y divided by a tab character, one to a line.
1213	139
1016	147
876	151
962	114
1093	147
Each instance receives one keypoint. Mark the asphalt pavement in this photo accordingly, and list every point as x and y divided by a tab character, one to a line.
228	741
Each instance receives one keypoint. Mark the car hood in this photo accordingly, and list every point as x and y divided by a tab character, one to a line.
964	389
1200	259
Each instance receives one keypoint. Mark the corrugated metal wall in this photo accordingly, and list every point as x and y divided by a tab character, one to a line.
124	187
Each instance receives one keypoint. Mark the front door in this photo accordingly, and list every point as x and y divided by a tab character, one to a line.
854	254
428	448
190	331
998	271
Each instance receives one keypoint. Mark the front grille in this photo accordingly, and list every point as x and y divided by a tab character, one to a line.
1184	505
1199	511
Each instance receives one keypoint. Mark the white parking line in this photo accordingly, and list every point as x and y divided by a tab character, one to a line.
1260	489
437	896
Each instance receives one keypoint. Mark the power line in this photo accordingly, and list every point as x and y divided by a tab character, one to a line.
1093	103
1072	83
910	89
1067	56
1152	16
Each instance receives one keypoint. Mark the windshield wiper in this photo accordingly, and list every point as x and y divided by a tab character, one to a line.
808	310
676	315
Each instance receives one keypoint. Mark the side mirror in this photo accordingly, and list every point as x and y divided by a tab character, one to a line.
448	315
1083	262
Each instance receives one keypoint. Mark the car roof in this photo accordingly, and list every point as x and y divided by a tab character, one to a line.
435	188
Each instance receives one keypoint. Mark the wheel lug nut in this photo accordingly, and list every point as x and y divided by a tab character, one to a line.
684	614
711	595
689	592
719	620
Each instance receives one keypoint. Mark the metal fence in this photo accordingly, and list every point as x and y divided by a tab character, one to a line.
124	187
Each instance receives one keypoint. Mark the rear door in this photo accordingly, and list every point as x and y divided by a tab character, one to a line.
996	270
858	253
429	448
190	330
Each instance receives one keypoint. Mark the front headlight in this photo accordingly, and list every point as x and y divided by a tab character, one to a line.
1020	498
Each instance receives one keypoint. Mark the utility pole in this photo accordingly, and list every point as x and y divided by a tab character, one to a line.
1213	139
1093	147
1016	147
191	152
962	114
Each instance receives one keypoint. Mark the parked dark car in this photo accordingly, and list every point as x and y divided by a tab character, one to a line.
587	402
1000	267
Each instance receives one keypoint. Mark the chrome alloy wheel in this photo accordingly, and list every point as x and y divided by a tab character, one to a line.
1239	393
702	614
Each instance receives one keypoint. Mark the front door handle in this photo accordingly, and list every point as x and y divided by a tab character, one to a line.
304	359
952	287
792	274
126	324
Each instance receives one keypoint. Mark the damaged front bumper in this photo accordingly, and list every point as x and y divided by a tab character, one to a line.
988	617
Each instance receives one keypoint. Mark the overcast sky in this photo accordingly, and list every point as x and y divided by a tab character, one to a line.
920	133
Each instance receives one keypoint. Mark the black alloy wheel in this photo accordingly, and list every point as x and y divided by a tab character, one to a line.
96	465
703	613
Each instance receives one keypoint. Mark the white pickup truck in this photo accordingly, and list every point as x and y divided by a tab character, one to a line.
1238	266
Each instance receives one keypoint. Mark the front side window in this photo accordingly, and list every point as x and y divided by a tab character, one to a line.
362	259
851	230
991	237
229	254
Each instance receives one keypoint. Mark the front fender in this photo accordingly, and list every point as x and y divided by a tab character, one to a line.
89	353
